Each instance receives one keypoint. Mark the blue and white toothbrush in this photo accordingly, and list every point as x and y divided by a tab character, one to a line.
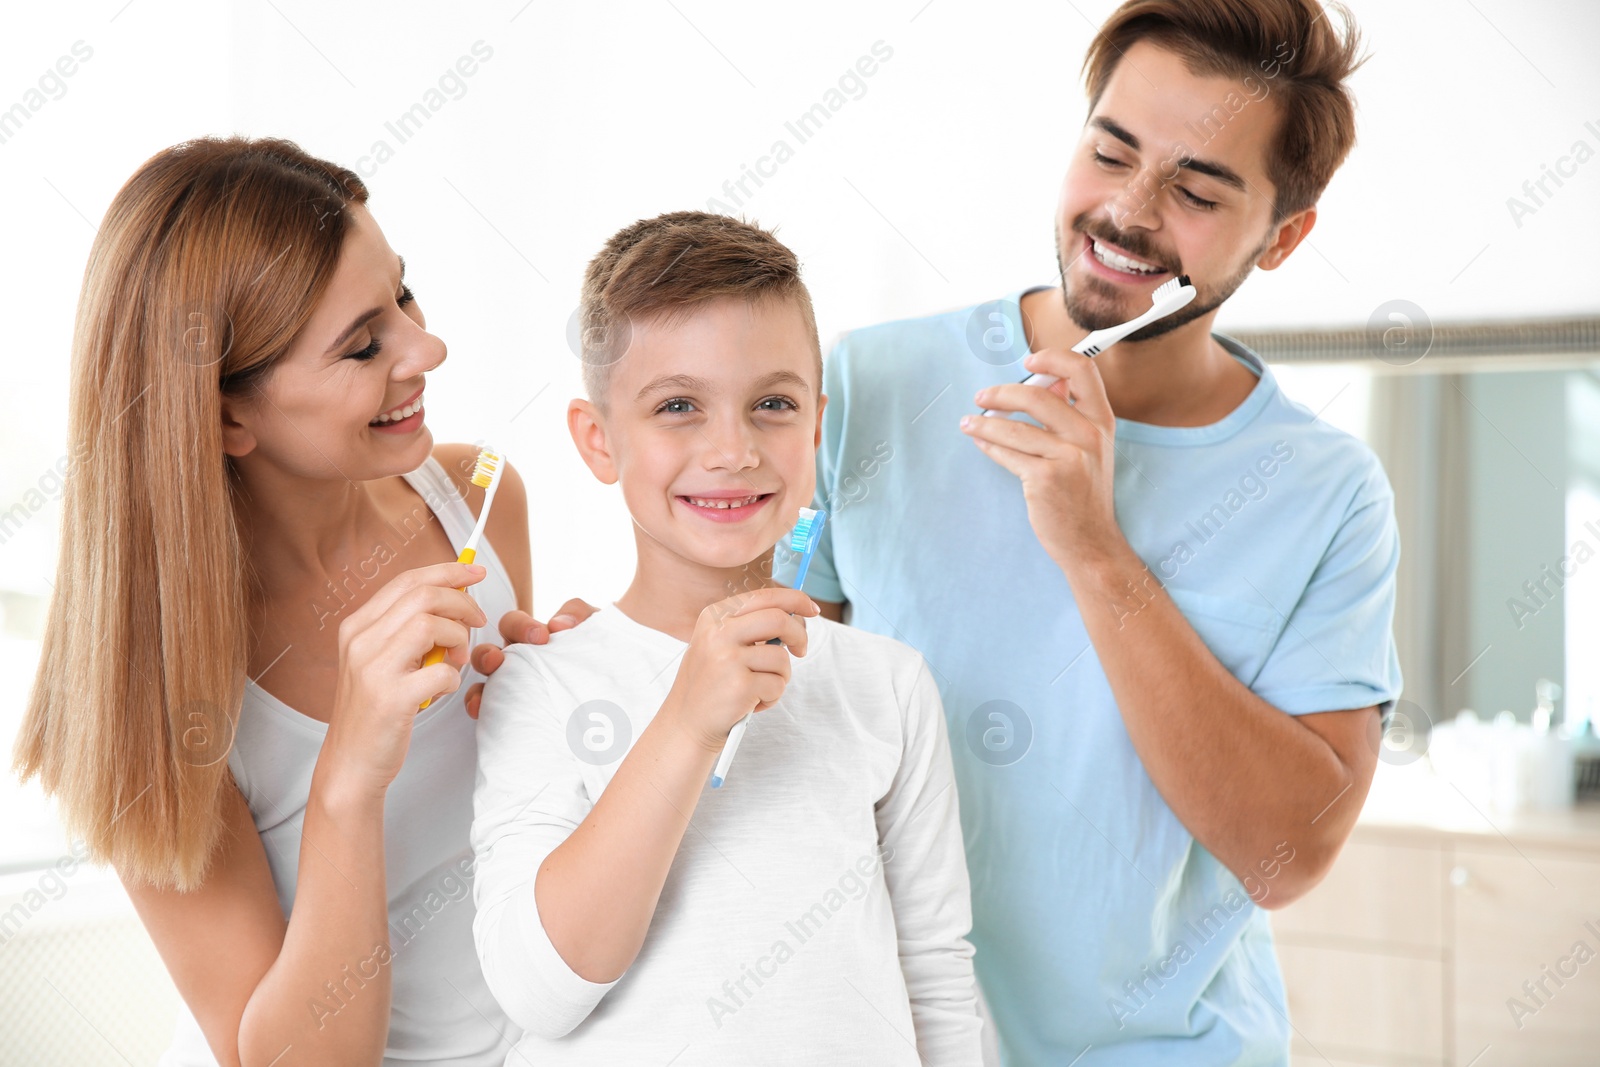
807	532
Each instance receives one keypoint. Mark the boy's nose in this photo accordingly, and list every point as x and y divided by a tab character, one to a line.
729	447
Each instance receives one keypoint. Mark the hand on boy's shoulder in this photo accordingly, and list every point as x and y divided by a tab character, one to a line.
518	627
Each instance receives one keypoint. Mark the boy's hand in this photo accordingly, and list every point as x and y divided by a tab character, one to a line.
520	627
729	670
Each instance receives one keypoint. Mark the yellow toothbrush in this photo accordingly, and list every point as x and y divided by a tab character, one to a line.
486	475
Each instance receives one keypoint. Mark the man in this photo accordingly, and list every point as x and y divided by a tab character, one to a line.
1159	604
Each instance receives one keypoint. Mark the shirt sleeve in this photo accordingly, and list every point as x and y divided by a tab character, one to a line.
528	797
925	867
822	578
1337	649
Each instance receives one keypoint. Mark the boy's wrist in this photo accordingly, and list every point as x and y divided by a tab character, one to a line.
683	731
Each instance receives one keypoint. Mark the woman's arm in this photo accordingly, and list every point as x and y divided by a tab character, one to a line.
254	981
319	984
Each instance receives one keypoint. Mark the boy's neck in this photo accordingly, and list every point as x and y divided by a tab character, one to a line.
668	592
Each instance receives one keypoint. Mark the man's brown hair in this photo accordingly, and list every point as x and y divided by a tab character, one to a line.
666	267
1291	44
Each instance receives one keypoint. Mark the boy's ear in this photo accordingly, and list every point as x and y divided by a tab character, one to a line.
589	434
822	403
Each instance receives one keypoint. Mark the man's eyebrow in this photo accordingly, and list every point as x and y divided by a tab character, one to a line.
1215	170
1211	169
363	318
1116	130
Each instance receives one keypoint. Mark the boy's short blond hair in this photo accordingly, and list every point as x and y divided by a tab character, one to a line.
665	267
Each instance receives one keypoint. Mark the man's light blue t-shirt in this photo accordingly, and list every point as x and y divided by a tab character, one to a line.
1102	928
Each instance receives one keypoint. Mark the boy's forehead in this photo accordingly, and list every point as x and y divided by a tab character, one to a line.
727	343
1153	95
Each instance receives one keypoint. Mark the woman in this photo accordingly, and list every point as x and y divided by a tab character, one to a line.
250	577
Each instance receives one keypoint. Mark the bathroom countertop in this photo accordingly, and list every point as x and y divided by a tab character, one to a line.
1413	801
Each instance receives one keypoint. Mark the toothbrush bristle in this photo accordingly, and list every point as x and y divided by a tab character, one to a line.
483	473
802	530
1169	288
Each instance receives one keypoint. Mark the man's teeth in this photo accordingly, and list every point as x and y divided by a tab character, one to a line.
399	413
1116	261
707	502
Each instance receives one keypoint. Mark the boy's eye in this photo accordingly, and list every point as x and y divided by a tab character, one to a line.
676	406
783	403
364	354
1098	158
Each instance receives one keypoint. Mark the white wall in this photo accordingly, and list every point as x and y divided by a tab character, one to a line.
934	188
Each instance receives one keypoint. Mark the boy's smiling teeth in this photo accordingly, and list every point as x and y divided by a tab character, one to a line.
1117	261
724	502
399	413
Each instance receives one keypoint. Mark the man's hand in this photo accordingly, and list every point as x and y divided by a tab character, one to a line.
1067	467
520	627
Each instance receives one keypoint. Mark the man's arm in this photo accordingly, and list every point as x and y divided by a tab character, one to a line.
1244	777
831	609
1248	780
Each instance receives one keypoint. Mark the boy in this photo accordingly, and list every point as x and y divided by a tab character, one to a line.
812	910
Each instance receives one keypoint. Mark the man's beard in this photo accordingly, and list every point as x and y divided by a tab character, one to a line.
1095	314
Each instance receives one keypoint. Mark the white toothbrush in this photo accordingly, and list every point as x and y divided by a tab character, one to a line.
1163	302
486	476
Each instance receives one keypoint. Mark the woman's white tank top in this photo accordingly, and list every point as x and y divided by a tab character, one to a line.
442	1010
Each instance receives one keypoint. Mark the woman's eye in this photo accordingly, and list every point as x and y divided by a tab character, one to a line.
372	349
783	402
676	406
406	296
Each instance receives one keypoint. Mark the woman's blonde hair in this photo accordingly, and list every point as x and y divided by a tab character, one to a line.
209	262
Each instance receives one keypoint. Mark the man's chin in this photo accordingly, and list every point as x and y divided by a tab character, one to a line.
1097	311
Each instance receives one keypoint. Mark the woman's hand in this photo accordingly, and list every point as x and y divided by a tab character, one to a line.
518	627
382	681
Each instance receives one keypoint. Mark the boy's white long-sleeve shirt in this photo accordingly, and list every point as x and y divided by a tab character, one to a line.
818	906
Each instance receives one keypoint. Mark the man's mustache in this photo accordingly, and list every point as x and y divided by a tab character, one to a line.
1137	246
